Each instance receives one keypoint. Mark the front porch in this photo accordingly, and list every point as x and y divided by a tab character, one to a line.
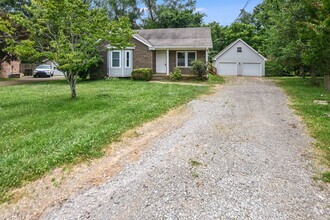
164	61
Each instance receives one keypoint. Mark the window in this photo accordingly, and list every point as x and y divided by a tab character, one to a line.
191	58
185	59
115	61
181	59
127	59
239	49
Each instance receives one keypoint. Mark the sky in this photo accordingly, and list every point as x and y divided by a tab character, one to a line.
224	11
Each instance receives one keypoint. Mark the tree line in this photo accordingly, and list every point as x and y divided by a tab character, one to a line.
293	35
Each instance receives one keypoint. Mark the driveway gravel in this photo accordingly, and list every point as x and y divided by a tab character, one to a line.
241	154
29	79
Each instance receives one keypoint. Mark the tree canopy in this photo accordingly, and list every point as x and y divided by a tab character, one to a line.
293	35
69	33
172	14
119	8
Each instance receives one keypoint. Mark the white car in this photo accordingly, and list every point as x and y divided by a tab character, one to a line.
43	71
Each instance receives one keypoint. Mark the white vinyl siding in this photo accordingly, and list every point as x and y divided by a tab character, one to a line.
240	60
120	63
185	58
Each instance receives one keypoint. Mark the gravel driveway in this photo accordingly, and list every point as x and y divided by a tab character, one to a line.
242	154
29	79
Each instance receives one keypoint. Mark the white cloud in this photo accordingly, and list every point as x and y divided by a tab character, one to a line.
145	9
200	9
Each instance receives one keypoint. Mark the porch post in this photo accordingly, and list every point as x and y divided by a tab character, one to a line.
167	62
207	55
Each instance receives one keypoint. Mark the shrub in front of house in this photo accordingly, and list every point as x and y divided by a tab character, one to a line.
142	74
200	69
176	74
95	72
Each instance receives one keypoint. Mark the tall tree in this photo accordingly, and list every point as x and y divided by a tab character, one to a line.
70	33
150	9
245	17
180	4
218	38
317	48
283	39
10	33
119	8
174	14
14	5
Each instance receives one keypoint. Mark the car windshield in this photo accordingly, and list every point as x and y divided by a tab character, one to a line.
44	67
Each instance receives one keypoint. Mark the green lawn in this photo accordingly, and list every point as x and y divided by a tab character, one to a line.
215	79
42	128
316	116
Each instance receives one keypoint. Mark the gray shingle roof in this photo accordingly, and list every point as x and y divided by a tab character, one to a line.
176	37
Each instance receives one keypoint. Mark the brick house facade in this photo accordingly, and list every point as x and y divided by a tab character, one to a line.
7	68
161	50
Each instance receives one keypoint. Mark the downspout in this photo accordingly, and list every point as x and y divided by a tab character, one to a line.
207	55
167	62
123	62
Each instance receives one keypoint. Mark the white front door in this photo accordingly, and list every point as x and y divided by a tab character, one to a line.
161	61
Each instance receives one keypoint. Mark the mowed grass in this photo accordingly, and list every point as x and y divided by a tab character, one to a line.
41	127
316	116
215	79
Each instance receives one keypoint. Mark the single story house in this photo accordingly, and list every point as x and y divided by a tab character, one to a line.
161	50
239	59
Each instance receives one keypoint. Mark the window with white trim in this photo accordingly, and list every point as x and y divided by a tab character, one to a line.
115	59
127	59
181	59
185	58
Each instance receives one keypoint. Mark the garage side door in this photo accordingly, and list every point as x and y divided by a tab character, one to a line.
251	69
227	69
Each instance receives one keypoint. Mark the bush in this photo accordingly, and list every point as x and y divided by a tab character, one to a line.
142	74
176	75
95	72
200	69
274	68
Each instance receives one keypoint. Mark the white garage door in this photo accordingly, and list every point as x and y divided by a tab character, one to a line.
251	69
227	69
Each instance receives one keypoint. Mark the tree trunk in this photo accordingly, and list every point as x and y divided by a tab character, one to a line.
302	72
73	82
314	79
327	82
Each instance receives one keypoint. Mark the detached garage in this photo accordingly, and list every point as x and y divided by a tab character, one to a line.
239	59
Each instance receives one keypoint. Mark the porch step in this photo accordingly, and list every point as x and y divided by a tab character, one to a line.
159	76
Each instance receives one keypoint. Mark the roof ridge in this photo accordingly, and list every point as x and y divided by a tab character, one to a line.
232	44
171	28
